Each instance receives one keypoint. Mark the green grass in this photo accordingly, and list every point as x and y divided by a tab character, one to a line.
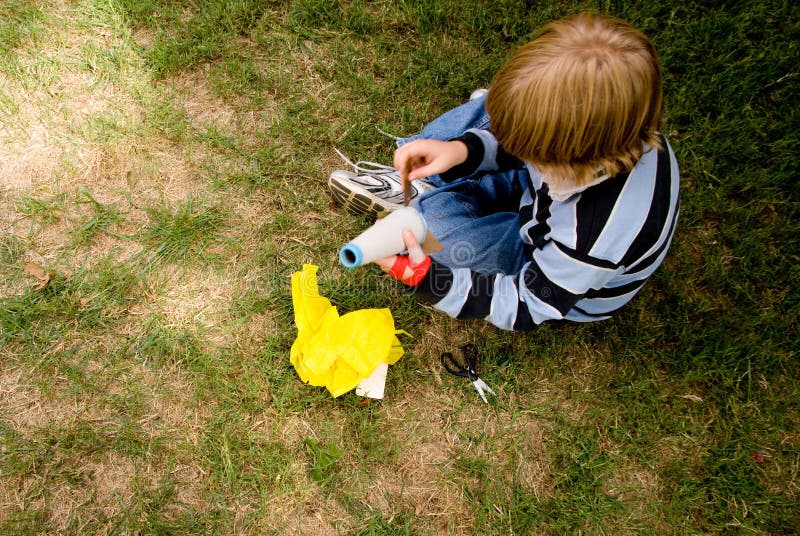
20	20
100	220
42	210
167	161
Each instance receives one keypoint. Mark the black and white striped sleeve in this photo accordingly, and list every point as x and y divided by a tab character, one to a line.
483	154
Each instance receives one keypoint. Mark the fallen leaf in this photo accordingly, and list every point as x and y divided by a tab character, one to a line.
31	268
44	277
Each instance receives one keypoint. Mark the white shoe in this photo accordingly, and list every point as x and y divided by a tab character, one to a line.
371	189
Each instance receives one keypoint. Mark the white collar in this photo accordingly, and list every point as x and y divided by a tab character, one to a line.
562	193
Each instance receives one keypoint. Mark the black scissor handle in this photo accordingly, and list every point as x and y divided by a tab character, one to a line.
452	366
468	369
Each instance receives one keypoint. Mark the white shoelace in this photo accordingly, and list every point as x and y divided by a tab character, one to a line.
388	134
366	167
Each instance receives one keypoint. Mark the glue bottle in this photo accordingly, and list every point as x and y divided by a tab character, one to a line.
384	238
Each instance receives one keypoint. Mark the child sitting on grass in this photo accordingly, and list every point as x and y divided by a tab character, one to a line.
554	195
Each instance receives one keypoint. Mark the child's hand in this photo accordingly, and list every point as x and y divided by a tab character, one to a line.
429	157
411	269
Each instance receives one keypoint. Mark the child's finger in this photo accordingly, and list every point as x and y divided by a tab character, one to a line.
415	253
424	169
386	263
414	154
404	155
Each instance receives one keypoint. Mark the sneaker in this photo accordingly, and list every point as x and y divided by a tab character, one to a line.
371	189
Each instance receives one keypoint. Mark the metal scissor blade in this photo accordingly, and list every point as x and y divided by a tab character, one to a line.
482	388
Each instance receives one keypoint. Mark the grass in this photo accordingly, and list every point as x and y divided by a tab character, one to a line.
20	20
166	161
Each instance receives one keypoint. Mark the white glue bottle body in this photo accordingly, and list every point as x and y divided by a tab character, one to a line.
384	238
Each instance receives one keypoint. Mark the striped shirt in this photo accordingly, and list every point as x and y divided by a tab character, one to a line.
588	253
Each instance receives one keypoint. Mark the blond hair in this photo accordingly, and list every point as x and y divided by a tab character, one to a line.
579	101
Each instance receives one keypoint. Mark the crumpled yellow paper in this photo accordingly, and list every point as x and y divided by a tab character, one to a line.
335	351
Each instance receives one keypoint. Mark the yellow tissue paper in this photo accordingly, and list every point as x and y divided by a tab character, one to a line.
335	351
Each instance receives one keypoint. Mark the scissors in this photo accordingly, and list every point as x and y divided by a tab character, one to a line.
468	369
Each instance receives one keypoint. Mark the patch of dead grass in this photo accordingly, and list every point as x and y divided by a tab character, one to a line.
29	162
637	488
194	91
435	430
309	512
197	296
